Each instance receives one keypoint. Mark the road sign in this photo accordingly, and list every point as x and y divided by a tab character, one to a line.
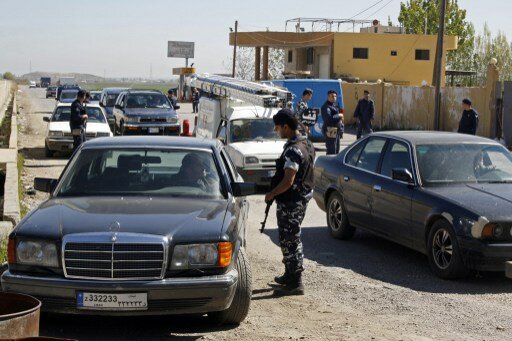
180	49
177	71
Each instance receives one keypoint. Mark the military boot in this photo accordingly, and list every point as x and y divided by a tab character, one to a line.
283	279
293	287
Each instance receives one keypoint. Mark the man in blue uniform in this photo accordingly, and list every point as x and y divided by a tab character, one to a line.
364	114
292	190
333	123
469	121
78	119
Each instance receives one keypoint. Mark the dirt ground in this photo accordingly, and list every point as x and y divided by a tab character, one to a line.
366	288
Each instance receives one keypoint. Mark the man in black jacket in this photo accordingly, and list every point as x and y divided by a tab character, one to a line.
333	123
195	100
469	121
78	119
364	114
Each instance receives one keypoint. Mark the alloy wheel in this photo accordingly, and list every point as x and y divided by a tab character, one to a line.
335	214
442	249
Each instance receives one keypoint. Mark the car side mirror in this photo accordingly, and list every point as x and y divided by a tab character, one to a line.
117	106
402	174
176	107
101	104
242	189
45	184
46	119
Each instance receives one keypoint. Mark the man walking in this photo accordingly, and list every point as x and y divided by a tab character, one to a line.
364	114
292	190
469	121
78	119
333	123
195	100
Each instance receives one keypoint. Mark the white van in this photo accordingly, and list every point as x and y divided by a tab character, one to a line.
248	133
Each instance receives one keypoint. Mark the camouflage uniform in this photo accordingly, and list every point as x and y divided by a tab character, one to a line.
298	154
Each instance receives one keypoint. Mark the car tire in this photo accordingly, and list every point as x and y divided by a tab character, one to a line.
239	307
337	219
444	254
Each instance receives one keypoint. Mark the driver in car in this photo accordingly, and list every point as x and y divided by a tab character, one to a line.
193	173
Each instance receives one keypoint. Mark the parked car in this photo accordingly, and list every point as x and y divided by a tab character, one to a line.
95	97
133	228
32	84
444	194
65	87
58	136
51	91
145	112
108	99
67	96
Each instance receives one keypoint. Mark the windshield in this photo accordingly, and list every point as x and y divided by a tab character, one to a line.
148	172
252	129
95	96
68	95
111	99
62	114
152	100
464	163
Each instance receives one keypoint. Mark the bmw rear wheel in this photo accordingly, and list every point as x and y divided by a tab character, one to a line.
444	254
337	219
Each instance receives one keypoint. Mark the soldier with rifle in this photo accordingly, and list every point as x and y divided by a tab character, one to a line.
292	190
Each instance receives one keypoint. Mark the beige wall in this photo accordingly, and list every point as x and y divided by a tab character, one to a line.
5	89
412	107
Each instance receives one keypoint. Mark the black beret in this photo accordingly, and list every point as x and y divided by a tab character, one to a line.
284	116
466	101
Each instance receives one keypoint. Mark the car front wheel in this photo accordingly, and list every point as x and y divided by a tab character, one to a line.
239	307
337	219
444	254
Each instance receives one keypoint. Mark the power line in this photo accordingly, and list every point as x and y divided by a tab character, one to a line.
367	9
377	11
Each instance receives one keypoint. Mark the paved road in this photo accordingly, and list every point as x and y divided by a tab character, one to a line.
367	288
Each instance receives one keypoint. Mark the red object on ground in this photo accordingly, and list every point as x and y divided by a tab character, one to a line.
186	128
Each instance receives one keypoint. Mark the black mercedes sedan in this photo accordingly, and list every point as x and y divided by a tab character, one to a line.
138	225
446	195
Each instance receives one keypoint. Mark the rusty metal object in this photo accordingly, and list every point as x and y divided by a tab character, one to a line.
19	316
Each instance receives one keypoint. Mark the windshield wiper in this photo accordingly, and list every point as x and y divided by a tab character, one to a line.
496	182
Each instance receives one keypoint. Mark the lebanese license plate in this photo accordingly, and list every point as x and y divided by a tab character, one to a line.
98	301
154	130
271	173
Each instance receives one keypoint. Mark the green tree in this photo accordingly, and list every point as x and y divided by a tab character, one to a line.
9	76
486	47
422	17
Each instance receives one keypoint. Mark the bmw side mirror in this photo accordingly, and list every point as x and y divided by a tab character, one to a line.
45	184
46	119
242	189
403	174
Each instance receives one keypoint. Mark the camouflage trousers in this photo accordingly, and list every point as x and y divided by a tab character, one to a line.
289	219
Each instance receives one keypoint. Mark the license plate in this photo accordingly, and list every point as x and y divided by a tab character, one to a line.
154	130
271	173
98	301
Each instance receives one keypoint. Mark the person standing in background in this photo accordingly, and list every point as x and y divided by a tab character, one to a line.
333	123
364	114
195	101
469	121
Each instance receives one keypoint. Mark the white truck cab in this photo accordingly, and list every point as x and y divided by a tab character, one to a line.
247	132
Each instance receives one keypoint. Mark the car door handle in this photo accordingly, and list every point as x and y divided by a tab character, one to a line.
377	188
346	178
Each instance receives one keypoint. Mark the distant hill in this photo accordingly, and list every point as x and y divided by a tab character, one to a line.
80	77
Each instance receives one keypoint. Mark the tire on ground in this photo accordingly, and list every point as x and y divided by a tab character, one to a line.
239	308
456	267
345	231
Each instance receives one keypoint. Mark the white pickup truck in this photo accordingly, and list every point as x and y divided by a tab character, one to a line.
248	133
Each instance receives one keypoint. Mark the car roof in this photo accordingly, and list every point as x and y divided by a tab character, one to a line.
70	90
417	137
143	91
151	142
113	90
89	105
96	92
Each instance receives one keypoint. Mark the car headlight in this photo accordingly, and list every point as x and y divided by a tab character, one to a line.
37	253
132	119
494	231
251	159
55	133
194	256
172	120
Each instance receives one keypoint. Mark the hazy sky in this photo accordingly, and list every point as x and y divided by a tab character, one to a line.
123	38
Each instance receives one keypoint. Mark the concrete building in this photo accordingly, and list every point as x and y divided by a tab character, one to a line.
377	52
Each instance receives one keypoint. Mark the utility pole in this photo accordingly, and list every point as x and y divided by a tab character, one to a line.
234	48
438	66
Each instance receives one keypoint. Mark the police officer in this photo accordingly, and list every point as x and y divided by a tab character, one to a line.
78	119
195	100
302	112
333	123
292	190
364	114
469	120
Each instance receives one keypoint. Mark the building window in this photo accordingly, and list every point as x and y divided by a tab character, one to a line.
290	56
422	54
360	53
310	54
394	53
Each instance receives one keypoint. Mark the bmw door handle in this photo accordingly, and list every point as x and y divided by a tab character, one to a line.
346	178
377	188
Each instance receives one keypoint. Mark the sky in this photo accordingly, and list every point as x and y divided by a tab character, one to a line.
129	38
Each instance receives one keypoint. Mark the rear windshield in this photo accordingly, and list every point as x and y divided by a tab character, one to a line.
68	94
143	172
63	114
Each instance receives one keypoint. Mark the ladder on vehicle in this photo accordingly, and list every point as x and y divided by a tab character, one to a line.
250	92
